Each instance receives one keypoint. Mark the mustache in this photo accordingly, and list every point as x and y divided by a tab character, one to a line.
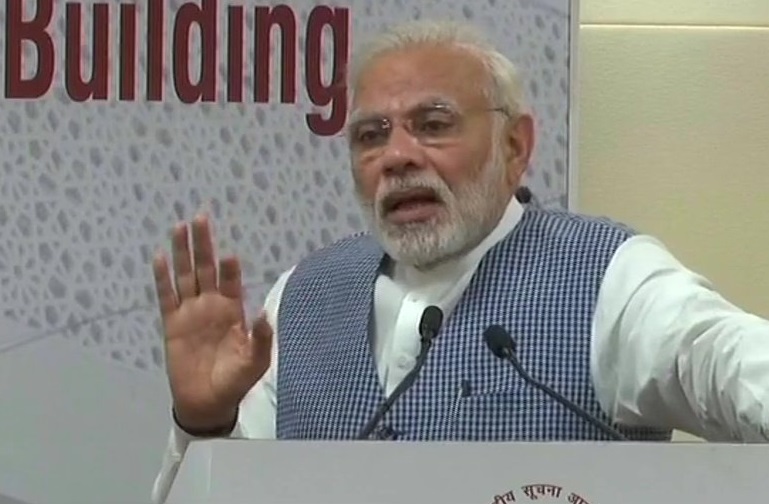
394	190
393	185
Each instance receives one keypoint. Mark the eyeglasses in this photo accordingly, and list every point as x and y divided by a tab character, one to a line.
432	125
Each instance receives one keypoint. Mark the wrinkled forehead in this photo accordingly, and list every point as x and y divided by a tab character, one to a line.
400	81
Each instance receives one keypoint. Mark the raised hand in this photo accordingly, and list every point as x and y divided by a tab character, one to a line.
212	359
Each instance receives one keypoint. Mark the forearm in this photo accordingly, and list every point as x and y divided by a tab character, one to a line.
256	420
178	441
711	382
669	351
725	377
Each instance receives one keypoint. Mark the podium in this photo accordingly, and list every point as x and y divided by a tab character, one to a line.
230	471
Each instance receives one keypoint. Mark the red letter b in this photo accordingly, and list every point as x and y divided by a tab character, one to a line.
18	31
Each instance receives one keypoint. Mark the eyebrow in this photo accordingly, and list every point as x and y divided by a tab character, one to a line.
357	115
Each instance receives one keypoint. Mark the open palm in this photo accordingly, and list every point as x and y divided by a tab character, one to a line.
212	360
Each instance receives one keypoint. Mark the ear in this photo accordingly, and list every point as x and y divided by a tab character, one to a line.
519	145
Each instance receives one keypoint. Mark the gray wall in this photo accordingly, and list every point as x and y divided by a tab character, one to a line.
89	190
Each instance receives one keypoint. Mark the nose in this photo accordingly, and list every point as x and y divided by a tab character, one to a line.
402	153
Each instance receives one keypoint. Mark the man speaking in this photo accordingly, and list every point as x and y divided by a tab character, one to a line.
482	317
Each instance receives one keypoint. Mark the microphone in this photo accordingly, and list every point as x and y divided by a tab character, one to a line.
524	195
429	325
502	345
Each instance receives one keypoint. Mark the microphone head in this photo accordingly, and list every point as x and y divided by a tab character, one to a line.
499	341
524	195
430	323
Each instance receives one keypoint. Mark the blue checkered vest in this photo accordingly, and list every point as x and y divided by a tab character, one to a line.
540	282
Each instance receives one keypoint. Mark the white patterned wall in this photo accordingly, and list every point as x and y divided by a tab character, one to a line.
89	190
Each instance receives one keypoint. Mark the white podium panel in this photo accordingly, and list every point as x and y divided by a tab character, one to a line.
289	472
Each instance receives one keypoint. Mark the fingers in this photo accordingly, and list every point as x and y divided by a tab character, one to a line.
230	281
196	269
230	278
205	259
163	285
186	281
261	334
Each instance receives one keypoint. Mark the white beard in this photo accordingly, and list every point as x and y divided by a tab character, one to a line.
468	215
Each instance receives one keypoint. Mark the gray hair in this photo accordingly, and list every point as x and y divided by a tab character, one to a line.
504	90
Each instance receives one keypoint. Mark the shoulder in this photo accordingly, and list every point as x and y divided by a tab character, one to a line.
561	231
340	253
339	250
564	223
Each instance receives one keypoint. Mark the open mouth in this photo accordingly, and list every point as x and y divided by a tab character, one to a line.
411	205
